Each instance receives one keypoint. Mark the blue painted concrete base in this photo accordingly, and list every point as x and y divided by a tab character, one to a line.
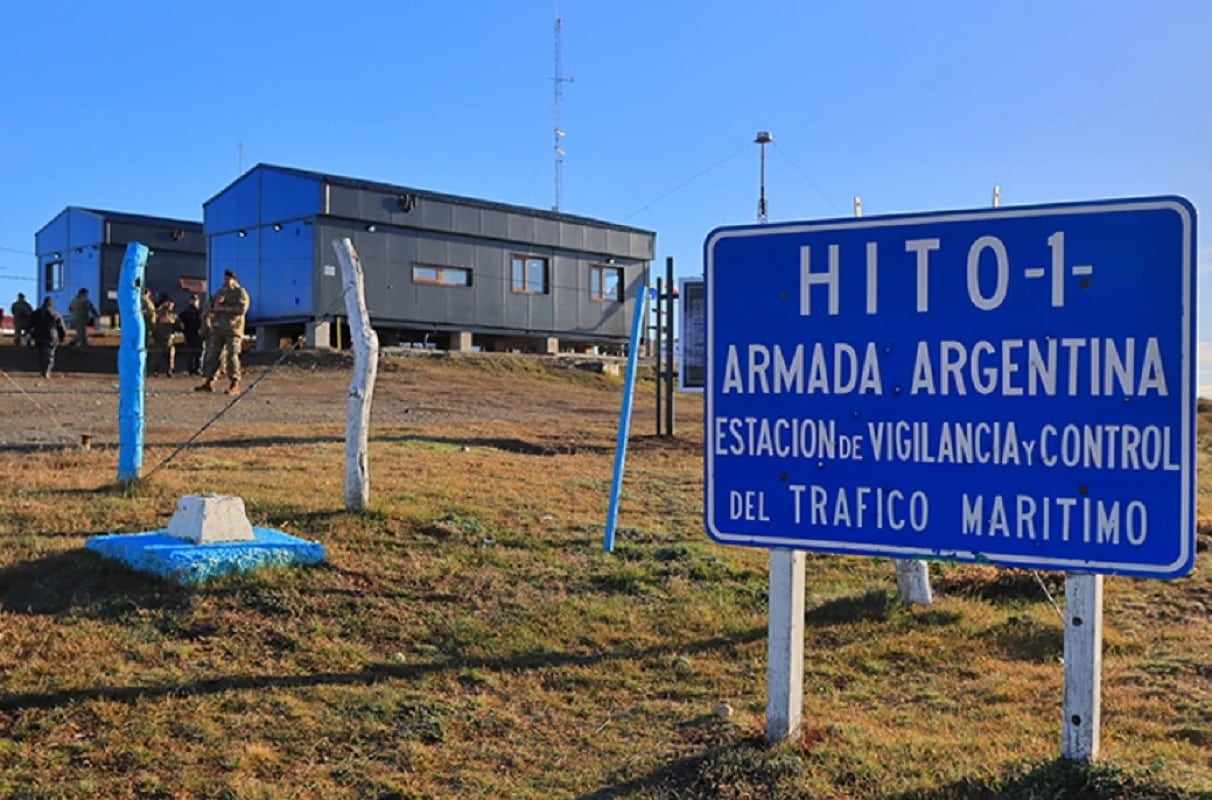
189	564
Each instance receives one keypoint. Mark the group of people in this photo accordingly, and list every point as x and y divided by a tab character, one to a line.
212	336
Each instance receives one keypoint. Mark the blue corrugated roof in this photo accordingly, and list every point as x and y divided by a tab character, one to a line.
389	188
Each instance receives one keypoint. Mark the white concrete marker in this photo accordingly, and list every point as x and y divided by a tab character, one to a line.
205	518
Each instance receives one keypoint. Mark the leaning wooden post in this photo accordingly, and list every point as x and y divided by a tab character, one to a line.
912	577
1083	666
365	344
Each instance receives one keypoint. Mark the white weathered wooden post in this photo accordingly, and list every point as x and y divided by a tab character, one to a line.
1083	666
785	646
912	577
362	384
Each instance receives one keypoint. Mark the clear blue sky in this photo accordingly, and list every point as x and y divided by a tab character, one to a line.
142	106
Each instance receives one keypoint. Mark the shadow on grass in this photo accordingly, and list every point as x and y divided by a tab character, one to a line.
1072	780
742	767
368	675
554	447
1024	639
875	605
79	580
747	767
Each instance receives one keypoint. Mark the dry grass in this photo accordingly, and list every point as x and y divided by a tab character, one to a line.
468	638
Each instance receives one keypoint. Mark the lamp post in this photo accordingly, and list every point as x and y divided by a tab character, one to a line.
761	140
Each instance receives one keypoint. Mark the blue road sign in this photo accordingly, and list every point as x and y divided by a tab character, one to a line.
1011	385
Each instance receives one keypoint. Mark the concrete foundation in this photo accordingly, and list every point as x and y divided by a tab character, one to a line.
189	564
206	518
268	337
549	346
459	342
316	336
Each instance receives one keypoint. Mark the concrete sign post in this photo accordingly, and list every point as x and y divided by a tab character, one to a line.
1010	385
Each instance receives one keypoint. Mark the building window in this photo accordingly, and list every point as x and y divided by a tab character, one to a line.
442	276
606	283
53	276
192	285
528	274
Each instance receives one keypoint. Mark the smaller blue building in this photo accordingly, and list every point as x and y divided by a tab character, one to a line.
82	248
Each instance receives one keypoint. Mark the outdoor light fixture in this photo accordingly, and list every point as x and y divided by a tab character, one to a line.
241	233
58	255
79	249
610	260
371	228
177	234
407	202
277	226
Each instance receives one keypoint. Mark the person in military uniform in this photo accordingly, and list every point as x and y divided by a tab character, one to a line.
47	329
191	326
163	350
82	313
147	307
226	316
21	310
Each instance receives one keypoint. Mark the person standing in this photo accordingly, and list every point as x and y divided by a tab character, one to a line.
191	325
163	349
47	329
226	314
82	313
21	311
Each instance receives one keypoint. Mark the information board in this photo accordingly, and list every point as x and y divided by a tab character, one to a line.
692	353
1012	385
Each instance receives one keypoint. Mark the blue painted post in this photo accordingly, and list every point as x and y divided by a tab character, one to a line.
132	362
620	445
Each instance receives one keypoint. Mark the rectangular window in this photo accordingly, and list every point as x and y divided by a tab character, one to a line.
528	274
192	285
53	276
442	276
606	283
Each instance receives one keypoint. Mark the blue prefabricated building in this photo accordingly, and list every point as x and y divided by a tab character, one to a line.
82	248
467	270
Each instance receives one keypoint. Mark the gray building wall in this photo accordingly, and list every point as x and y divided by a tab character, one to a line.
258	224
90	244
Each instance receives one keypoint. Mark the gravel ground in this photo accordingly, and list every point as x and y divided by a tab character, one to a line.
308	389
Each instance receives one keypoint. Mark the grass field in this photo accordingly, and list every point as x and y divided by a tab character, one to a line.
468	638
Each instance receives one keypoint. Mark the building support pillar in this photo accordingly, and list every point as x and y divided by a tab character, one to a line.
268	337
459	342
316	336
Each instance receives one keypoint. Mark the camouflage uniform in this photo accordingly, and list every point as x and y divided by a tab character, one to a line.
148	309
82	312
163	349
226	318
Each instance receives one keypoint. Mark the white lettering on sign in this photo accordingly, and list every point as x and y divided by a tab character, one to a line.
983	252
762	369
876	507
1078	519
1069	367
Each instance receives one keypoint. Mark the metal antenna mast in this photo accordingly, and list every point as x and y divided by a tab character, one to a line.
559	80
762	139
